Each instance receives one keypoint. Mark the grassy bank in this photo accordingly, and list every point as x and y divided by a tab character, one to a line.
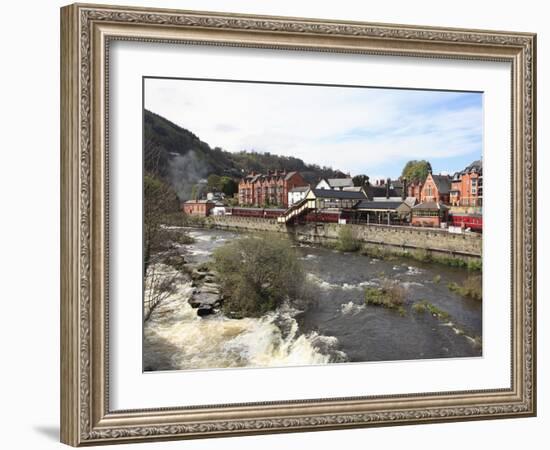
348	242
421	255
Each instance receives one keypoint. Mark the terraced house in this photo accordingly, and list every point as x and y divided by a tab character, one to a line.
467	186
270	189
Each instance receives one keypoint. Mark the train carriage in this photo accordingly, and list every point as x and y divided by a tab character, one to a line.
264	213
472	221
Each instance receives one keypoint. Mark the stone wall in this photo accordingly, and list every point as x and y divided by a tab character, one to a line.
431	239
247	223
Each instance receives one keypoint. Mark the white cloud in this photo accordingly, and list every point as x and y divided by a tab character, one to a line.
353	129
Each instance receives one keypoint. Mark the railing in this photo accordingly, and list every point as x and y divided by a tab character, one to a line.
294	211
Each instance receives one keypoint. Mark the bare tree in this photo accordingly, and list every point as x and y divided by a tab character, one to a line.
159	202
158	285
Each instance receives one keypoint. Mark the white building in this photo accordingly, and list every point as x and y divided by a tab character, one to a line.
297	194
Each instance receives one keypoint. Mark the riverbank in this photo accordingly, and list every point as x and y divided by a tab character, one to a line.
381	241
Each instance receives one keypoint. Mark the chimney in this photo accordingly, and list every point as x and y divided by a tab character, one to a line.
388	189
404	194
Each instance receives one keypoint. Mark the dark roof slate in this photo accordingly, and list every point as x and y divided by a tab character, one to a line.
443	183
430	206
380	191
333	193
378	205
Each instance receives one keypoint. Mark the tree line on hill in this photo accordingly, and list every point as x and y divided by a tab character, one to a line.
187	164
181	159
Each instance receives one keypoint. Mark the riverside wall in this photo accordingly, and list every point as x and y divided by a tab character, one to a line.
434	240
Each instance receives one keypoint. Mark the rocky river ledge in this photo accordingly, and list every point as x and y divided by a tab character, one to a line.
206	296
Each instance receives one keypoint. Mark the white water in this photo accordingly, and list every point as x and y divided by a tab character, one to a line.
308	257
352	308
176	338
346	286
411	270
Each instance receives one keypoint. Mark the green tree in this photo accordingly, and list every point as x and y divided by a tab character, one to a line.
228	186
416	170
258	275
214	182
360	180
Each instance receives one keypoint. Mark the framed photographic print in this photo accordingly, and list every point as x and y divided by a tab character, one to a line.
276	224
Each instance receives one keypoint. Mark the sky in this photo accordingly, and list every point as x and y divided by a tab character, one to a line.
358	130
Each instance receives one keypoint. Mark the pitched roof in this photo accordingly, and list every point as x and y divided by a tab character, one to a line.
430	206
199	201
443	183
383	206
476	166
255	177
381	191
277	174
289	175
340	182
300	189
353	188
411	201
331	193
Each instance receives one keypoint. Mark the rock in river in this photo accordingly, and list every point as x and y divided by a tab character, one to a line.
204	310
205	298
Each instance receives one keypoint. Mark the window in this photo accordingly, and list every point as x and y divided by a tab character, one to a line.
429	191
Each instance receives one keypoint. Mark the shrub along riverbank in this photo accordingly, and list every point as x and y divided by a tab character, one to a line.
348	242
471	287
389	295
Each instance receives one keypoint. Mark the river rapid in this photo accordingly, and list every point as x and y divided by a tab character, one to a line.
338	328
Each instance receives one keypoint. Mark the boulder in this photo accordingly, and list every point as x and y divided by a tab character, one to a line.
204	310
175	261
201	298
196	275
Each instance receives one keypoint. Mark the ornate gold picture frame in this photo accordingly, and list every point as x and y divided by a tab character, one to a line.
87	31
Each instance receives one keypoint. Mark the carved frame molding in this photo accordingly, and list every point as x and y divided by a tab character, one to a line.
86	31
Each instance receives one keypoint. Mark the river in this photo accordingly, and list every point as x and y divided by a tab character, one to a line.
338	328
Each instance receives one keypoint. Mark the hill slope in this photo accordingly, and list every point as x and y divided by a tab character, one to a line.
179	157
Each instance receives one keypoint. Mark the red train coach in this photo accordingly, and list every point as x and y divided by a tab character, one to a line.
472	221
264	213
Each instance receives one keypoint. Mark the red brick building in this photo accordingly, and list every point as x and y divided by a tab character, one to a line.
467	186
429	214
269	189
436	188
414	189
198	207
